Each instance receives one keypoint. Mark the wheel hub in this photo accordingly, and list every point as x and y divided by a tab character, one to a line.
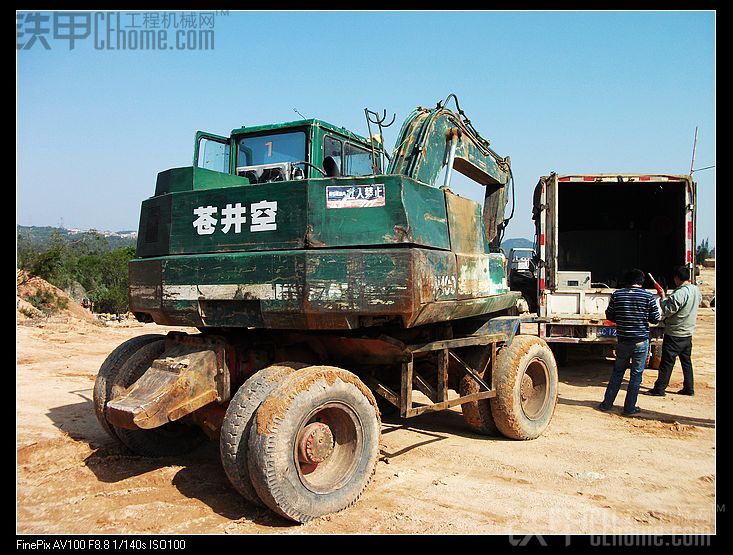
526	388
534	389
316	443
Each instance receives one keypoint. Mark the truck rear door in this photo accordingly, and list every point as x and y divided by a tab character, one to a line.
547	240
691	226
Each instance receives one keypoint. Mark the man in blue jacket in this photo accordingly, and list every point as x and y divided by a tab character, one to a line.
680	314
632	309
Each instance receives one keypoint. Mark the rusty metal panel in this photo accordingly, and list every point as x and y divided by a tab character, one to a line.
504	326
406	389
362	350
183	379
473	276
435	277
451	310
311	289
465	225
145	285
442	390
417	411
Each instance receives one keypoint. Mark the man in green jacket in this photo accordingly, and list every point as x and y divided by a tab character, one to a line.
679	311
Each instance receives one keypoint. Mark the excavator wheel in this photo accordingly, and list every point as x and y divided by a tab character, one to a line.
238	421
109	369
526	388
174	438
314	443
477	414
655	357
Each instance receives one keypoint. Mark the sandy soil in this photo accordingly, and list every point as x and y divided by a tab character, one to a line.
589	473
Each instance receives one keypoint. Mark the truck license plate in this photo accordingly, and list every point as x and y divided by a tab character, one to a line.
607	332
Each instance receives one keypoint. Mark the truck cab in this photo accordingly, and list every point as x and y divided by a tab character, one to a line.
520	259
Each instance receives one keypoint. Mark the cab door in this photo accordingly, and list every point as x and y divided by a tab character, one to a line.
212	152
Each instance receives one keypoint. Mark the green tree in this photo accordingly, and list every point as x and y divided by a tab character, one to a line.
26	253
104	276
87	260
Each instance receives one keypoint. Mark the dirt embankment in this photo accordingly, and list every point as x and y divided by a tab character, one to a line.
60	305
590	472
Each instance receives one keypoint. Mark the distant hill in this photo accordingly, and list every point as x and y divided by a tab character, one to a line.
517	243
41	235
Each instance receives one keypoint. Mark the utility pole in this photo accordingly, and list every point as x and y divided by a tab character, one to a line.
692	164
694	147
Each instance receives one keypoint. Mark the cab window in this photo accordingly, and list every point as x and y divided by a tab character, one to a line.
357	161
213	155
271	149
333	148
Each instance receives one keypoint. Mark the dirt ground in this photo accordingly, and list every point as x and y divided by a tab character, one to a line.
590	472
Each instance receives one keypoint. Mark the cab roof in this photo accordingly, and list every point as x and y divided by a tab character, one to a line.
301	123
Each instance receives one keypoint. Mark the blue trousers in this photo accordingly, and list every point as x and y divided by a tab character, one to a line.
627	351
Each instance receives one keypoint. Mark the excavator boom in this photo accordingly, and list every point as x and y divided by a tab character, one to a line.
430	139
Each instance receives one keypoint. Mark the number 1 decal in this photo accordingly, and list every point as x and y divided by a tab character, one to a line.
268	144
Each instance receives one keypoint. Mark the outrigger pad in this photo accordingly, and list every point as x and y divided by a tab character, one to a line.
182	380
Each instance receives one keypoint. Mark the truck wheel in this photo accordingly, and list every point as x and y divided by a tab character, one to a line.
314	443
238	421
526	388
655	357
477	414
109	369
174	438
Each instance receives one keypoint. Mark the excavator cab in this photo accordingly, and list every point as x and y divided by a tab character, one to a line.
287	152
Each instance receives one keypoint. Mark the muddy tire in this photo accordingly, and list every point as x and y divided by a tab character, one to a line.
174	438
655	357
314	444
477	414
109	369
526	387
238	421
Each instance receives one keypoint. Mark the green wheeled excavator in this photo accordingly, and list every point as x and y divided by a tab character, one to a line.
328	291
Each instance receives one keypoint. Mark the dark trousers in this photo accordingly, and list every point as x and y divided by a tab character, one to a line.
673	347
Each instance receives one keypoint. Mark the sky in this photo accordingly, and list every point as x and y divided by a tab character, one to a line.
570	92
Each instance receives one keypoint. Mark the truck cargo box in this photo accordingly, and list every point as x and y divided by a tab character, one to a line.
591	229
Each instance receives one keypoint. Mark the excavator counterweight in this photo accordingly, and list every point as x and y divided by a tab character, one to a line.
293	230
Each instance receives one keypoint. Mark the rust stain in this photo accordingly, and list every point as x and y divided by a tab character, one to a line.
430	217
401	234
310	240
